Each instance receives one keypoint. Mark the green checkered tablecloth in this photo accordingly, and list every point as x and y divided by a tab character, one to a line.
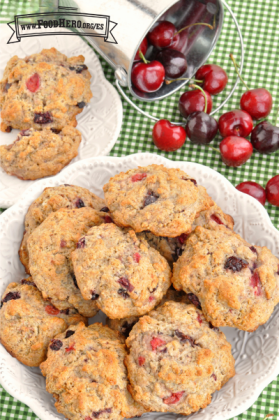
259	23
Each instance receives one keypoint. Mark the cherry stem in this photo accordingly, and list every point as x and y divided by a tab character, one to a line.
237	71
193	24
214	148
214	21
203	92
261	120
168	82
143	58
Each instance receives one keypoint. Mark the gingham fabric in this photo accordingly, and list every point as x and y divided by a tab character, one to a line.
259	24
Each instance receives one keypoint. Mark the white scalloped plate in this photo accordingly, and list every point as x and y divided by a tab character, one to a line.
256	354
99	123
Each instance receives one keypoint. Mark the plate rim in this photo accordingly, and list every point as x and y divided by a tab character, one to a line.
159	160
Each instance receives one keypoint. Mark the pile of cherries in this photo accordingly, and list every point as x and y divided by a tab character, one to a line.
168	59
195	106
270	193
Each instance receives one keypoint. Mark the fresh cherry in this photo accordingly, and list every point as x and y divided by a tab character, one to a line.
235	150
161	35
167	136
265	137
253	189
180	42
192	101
148	76
201	128
143	48
257	102
235	123
214	78
174	62
272	191
175	42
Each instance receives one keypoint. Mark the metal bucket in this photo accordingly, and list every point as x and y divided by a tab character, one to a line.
135	18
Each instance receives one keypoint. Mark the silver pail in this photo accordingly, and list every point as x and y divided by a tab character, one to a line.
135	18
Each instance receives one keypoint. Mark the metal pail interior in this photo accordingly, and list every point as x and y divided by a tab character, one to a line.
197	42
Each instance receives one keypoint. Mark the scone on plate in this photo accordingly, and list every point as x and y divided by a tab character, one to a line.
28	322
236	284
125	325
176	360
50	246
43	90
37	154
172	248
52	199
163	200
119	271
85	372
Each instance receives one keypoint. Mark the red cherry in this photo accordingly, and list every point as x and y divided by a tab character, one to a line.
192	101
141	360
70	348
180	42
253	189
108	219
148	77
175	42
183	237
156	342
167	136
255	282
143	48
235	150
235	123
257	102
136	257
174	398
161	35
272	191
138	177
51	310
214	78
33	83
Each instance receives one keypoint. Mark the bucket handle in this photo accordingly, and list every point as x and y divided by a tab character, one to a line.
119	87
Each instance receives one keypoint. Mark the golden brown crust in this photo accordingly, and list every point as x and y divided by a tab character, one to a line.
176	360
125	325
237	284
28	322
172	248
60	91
162	200
86	374
37	154
52	199
212	218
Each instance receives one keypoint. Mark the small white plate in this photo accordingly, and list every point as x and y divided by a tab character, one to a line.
99	123
256	354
